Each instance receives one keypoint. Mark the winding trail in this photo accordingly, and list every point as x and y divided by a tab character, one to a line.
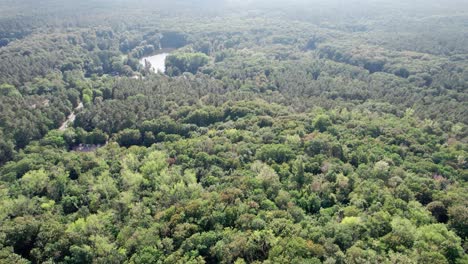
71	117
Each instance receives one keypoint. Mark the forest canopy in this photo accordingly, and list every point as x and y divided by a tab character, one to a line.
280	131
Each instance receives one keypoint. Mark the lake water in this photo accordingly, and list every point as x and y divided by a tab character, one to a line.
158	62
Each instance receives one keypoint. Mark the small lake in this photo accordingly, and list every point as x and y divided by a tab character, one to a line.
158	61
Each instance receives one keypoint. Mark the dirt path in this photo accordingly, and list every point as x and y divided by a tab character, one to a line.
70	118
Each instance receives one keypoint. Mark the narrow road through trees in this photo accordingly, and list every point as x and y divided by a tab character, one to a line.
70	118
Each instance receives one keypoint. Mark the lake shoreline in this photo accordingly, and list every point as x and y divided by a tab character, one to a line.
157	60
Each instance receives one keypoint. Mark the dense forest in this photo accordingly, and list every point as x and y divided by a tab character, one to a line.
280	132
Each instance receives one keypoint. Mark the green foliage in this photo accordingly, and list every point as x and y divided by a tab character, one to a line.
302	135
179	63
458	216
321	123
436	238
9	90
205	116
402	235
275	152
129	137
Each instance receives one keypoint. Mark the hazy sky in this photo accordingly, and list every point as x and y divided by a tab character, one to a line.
339	8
